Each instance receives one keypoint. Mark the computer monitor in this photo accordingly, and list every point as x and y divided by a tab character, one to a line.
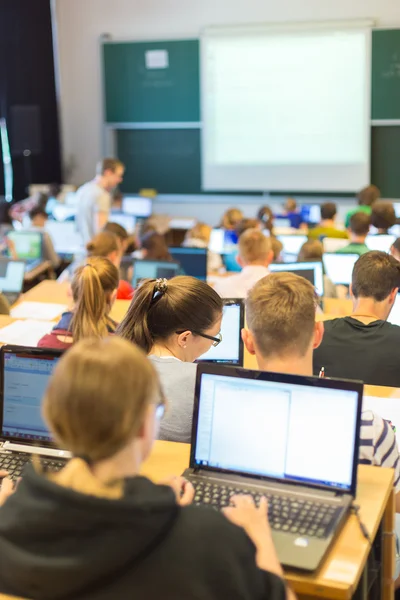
12	274
380	242
28	244
230	350
128	222
66	239
310	213
153	269
192	260
339	267
223	241
137	206
312	271
291	245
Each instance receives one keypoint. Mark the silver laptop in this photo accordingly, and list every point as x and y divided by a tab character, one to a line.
339	267
291	246
312	271
382	242
274	435
25	373
230	350
12	273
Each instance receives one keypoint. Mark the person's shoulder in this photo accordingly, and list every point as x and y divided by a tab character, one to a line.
172	365
392	330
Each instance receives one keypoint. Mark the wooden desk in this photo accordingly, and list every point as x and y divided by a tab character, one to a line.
342	569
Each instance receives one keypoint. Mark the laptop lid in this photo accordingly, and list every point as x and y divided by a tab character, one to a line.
292	245
25	373
312	271
65	237
12	274
380	242
153	269
128	222
192	260
28	244
271	426
138	206
339	267
230	350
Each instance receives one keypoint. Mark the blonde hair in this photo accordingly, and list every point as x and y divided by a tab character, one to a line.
201	231
231	218
96	399
254	246
103	244
92	288
280	312
311	250
290	205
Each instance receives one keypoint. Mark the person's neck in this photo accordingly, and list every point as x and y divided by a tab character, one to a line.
256	263
166	349
291	365
368	310
330	223
102	182
122	465
357	239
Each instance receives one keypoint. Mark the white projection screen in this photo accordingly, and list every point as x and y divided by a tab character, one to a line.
286	109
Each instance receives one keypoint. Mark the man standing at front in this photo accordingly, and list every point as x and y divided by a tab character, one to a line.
94	198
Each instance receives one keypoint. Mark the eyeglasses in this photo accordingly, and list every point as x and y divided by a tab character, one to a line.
216	340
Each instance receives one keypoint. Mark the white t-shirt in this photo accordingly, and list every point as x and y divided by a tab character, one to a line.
91	199
238	286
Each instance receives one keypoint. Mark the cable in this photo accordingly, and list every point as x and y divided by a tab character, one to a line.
355	509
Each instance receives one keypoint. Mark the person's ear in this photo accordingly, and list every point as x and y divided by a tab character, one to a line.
184	338
239	261
270	257
248	341
393	295
148	431
318	334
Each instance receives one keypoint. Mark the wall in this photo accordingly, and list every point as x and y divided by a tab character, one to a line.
81	22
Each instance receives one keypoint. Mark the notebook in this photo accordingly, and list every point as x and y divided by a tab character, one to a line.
312	271
12	274
193	261
291	246
153	269
339	267
230	350
28	247
380	242
274	435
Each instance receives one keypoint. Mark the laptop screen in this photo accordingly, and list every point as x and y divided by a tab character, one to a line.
230	350
12	275
65	237
277	426
380	242
28	244
192	260
292	244
153	269
128	222
26	373
138	206
339	267
223	241
312	271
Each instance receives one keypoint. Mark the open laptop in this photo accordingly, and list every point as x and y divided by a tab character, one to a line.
223	241
312	271
230	350
291	246
28	247
274	435
67	241
310	213
153	269
192	260
380	242
12	274
25	373
137	206
339	267
128	222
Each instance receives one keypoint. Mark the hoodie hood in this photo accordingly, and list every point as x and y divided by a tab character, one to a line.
58	543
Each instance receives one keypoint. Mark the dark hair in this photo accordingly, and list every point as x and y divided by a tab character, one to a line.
266	216
368	195
38	211
117	230
160	309
310	251
383	215
375	275
360	223
102	244
156	246
396	244
328	210
246	224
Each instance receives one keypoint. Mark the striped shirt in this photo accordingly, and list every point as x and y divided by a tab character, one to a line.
378	446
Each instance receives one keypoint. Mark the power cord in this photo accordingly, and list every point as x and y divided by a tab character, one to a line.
355	509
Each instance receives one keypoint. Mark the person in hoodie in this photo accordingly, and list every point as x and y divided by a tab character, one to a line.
94	290
98	530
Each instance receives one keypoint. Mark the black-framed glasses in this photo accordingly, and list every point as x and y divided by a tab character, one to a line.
216	340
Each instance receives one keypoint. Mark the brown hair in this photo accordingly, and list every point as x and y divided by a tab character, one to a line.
201	231
359	223
266	216
183	304
383	215
117	230
92	288
254	246
109	379
311	250
156	246
108	164
375	275
328	210
368	195
276	246
280	312
246	224
290	205
103	244
231	218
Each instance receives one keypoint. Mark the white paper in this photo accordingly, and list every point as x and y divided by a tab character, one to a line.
25	333
156	59
38	310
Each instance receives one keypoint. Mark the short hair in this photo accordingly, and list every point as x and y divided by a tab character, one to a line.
368	195
254	246
375	275
360	223
201	231
108	164
311	250
290	205
117	230
231	218
103	244
396	244
280	312
156	246
383	215
38	211
328	210
246	224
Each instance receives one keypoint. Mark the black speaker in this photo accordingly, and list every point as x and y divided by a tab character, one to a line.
25	130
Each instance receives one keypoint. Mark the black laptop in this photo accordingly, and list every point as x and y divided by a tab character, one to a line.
230	350
192	260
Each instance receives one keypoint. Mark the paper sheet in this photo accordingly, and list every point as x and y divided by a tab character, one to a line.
25	333
38	310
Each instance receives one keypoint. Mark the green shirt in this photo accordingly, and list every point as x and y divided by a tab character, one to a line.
330	232
353	249
365	209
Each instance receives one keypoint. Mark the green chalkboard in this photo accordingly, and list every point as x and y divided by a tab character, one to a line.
167	160
385	160
386	74
135	93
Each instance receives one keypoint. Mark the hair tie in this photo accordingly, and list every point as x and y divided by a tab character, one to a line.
160	288
88	265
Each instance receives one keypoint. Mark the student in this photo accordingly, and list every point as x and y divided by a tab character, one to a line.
383	216
282	333
327	226
94	289
395	249
94	198
174	322
365	346
199	237
231	260
266	218
358	230
120	232
366	199
38	219
311	251
291	212
255	255
154	247
231	218
98	529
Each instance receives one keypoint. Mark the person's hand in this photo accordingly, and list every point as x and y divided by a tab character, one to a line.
7	487
245	514
184	491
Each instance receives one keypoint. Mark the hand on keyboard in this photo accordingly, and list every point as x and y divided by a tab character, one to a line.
184	490
7	488
245	514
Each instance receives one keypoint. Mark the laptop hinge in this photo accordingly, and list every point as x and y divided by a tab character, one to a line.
54	452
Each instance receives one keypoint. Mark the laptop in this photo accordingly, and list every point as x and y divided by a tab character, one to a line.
312	271
274	435
192	260
310	213
339	267
380	242
28	247
25	373
128	222
230	350
153	269
291	246
137	206
67	241
223	241
12	273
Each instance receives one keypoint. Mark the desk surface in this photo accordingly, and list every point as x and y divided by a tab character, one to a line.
344	564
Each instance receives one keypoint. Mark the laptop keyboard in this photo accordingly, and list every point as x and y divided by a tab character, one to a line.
288	514
14	463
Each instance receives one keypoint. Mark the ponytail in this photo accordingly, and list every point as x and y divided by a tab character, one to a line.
135	327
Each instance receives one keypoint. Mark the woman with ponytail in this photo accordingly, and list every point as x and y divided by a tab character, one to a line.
94	289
